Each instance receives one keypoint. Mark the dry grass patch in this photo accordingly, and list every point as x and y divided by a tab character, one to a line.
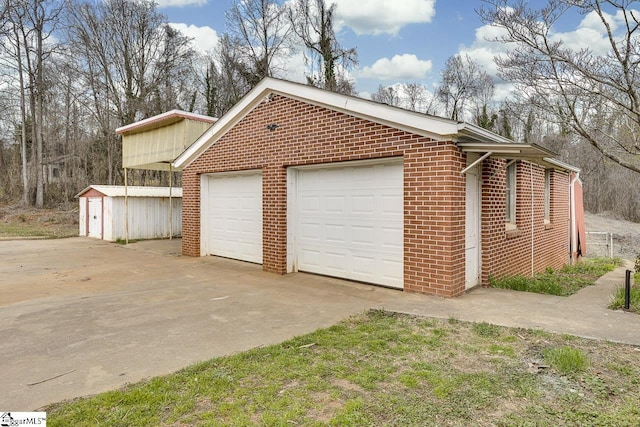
27	222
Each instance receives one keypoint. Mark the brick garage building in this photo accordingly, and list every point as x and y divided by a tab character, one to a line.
301	179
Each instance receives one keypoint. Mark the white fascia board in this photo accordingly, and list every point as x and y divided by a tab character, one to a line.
438	128
414	122
421	124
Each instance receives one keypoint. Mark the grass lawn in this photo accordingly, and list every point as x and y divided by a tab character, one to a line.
21	222
566	281
384	369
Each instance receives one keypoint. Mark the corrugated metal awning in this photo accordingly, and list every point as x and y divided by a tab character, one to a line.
154	143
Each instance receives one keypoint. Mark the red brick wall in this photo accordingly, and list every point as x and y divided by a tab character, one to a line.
307	134
434	193
510	252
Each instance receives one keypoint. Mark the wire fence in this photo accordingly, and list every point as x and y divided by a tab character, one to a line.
600	244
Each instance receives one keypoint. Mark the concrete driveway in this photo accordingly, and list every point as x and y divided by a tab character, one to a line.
81	316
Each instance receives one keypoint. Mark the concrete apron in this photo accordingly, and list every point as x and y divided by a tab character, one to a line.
80	316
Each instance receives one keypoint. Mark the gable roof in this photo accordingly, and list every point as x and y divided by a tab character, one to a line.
133	191
438	128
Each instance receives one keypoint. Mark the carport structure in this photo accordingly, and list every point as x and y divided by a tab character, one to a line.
153	144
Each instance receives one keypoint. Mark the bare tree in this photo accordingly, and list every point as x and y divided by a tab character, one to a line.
387	95
312	22
597	93
31	24
134	63
261	32
418	98
463	82
224	80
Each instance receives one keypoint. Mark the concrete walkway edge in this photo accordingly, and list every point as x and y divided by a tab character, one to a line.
585	314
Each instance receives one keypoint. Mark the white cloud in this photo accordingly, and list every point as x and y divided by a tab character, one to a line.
382	16
400	67
293	67
204	38
180	3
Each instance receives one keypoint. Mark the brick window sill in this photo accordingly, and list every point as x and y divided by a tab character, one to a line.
512	233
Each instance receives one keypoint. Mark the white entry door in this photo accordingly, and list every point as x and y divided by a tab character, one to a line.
95	216
349	222
472	224
231	216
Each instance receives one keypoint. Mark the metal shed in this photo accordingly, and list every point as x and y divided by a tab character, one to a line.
103	216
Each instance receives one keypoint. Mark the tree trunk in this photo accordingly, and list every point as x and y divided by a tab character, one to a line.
23	122
39	136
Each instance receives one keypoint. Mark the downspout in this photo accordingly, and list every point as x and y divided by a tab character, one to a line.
126	209
170	202
532	219
573	225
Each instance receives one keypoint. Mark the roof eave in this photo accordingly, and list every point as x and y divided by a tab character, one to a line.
562	165
437	128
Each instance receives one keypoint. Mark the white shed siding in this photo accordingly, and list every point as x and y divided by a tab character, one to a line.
148	218
82	224
148	212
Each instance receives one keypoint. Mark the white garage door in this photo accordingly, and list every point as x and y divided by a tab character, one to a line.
231	216
349	222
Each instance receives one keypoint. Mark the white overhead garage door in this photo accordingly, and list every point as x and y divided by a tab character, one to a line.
231	216
349	222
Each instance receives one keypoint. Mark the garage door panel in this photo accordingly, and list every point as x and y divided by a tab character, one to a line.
232	216
364	235
392	205
363	205
335	204
351	220
392	238
335	233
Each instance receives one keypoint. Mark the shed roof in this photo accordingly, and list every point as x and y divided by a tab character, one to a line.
133	191
161	120
468	136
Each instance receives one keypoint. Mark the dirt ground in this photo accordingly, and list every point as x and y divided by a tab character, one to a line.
626	235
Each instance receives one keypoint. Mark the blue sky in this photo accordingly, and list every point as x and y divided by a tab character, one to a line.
397	40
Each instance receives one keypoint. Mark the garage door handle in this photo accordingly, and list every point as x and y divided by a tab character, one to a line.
95	217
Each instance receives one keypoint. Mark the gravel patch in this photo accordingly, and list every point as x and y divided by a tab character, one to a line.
626	235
